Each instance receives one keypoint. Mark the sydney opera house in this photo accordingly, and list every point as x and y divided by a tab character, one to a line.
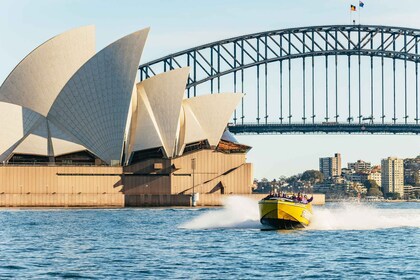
78	129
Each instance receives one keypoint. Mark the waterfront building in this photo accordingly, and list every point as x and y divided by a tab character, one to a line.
359	166
412	171
357	177
376	168
416	191
408	190
323	187
346	171
373	199
330	166
360	188
78	122
361	177
392	170
332	190
337	180
375	175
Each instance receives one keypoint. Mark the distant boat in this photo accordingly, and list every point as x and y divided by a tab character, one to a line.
284	213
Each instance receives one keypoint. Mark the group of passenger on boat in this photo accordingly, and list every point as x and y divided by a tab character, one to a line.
301	198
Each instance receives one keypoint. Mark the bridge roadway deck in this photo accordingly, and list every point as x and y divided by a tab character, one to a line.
324	128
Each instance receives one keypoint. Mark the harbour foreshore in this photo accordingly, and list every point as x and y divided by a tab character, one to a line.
101	186
120	200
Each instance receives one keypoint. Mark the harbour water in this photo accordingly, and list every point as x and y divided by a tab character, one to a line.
345	241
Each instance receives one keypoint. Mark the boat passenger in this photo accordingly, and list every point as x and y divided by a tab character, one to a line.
305	199
270	195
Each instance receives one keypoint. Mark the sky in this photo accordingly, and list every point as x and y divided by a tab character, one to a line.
180	24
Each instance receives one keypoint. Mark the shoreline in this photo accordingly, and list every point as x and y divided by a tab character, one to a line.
372	201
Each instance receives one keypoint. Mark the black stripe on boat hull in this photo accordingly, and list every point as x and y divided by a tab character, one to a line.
281	224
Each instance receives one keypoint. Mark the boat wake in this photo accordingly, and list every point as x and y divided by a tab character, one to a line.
242	213
237	212
349	216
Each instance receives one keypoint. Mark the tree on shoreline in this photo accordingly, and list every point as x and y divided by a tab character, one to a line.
313	176
393	195
373	188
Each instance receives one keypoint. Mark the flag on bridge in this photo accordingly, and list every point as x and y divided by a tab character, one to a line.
352	8
361	4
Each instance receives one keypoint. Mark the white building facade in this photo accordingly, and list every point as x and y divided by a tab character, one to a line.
392	171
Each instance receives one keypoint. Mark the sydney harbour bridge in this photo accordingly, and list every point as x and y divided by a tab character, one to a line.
320	79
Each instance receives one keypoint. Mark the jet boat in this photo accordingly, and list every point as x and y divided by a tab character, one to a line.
284	213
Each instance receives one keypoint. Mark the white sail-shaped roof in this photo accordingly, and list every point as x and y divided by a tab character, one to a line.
145	131
163	118
35	143
212	112
159	110
191	130
94	104
62	142
16	124
45	139
63	99
62	147
38	79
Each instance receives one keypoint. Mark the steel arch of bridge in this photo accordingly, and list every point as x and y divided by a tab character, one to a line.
232	56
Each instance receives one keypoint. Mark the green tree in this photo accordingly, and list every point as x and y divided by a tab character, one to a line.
416	178
313	176
373	188
393	195
292	179
374	192
371	184
282	178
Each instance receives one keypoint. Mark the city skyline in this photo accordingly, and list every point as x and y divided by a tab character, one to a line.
344	164
173	31
394	178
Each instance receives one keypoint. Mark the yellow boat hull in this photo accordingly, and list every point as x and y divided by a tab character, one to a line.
283	214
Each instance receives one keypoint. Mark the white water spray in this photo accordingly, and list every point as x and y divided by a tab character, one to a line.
351	216
242	212
238	212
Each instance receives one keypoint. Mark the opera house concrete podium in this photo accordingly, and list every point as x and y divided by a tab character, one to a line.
78	129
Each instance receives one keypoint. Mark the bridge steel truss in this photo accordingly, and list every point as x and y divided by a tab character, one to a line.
233	56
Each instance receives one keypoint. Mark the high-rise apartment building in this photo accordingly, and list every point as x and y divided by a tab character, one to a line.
330	166
392	170
359	166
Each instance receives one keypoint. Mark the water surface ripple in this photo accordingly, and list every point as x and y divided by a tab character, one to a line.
184	243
